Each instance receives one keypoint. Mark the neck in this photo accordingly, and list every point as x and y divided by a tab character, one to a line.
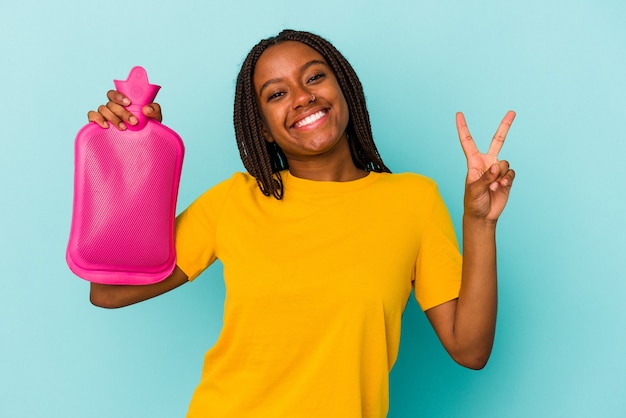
334	165
324	172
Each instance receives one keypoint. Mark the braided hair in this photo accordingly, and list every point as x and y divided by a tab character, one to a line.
263	159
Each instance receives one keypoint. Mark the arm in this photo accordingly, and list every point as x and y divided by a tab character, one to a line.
117	296
466	326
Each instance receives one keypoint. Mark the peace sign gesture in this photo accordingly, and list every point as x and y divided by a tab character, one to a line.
489	180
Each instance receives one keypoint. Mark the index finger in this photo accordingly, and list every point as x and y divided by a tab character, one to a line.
118	98
467	142
500	135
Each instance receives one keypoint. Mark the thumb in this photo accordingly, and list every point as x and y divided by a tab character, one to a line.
153	110
490	176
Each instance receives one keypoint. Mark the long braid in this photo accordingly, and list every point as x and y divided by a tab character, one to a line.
264	160
249	131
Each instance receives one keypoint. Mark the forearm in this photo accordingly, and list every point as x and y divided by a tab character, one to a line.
117	296
475	316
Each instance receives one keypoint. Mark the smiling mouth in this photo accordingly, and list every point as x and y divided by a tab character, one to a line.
310	119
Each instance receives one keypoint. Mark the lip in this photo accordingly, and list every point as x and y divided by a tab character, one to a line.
308	114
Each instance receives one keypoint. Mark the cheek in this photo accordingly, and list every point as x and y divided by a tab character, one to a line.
343	105
268	125
345	112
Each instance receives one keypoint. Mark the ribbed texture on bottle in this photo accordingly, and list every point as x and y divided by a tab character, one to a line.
128	183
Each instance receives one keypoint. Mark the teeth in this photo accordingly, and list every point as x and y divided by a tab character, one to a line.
310	119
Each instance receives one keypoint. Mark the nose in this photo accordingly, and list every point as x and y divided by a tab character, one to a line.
302	98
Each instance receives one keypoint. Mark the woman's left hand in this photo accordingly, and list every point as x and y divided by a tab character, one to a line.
489	180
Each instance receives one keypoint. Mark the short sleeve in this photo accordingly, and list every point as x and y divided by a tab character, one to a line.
196	230
439	262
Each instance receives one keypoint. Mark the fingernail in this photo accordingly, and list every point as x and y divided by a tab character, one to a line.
121	125
494	169
493	186
132	120
125	101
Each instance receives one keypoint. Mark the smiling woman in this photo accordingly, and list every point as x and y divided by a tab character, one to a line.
322	246
304	112
265	159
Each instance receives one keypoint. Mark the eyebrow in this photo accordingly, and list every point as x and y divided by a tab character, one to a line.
303	68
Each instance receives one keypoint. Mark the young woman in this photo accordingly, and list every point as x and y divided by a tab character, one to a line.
321	245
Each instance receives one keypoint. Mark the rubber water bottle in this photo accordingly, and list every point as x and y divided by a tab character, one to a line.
125	192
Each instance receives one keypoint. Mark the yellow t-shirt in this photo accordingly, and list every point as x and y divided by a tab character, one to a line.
315	289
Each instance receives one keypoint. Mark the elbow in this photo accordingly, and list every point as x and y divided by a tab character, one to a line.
101	302
474	364
99	297
475	360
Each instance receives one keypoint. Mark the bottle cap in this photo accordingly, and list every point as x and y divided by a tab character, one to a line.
140	92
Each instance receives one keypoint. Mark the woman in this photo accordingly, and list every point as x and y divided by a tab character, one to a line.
321	245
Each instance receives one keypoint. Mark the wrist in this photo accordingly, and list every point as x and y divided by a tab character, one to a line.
479	223
479	241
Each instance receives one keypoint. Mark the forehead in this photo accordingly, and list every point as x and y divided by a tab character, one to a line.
281	59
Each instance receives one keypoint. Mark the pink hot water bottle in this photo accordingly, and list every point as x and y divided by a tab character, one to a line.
125	191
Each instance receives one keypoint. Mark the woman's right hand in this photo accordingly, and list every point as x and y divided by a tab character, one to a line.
115	113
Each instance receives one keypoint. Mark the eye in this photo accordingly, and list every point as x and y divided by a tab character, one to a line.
275	96
316	77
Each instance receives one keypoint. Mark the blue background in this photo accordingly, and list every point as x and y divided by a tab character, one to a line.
560	348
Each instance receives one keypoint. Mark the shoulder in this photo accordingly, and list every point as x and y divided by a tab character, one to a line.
414	192
236	184
238	181
407	181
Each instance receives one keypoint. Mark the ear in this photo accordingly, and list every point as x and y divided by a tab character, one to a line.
266	134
